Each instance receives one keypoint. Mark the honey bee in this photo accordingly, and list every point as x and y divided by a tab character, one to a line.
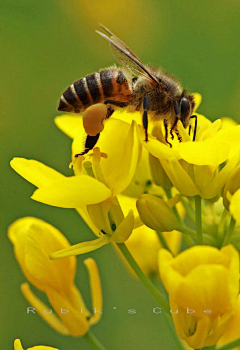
135	87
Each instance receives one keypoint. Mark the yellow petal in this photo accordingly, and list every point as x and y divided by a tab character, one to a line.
122	149
98	214
179	177
124	230
234	206
228	123
42	347
197	100
232	332
158	149
70	125
158	174
84	214
206	287
96	290
72	192
75	321
202	277
33	241
231	136
43	310
208	152
17	344
81	248
212	188
35	172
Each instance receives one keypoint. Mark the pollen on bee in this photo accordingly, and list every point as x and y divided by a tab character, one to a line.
93	119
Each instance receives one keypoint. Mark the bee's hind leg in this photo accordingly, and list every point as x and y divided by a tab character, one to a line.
89	144
145	116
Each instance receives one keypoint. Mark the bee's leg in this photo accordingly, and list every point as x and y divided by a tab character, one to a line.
195	126
178	135
166	132
110	111
89	144
176	109
116	103
189	130
145	116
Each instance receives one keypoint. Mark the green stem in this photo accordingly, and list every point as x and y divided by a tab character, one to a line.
235	238
93	341
231	345
198	219
188	240
172	329
174	209
188	231
228	236
188	209
213	347
163	241
143	278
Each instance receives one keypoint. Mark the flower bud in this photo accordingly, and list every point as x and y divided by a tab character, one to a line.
156	214
232	185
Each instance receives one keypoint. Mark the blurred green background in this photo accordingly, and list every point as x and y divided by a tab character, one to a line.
46	45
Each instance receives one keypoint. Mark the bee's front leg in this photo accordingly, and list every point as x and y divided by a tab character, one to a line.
195	126
145	116
177	112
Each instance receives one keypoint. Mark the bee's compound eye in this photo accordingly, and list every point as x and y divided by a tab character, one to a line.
185	108
93	119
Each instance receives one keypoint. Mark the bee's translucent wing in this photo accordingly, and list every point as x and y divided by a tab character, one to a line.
126	57
120	42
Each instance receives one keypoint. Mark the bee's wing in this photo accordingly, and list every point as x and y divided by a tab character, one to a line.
120	42
126	57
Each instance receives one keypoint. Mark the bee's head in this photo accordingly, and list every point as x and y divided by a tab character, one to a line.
186	109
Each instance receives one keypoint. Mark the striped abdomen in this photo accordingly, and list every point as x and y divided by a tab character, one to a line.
95	88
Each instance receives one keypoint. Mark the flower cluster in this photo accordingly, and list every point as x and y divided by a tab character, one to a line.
172	211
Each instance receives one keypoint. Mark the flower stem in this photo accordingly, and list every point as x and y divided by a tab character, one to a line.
143	278
198	219
231	345
213	347
163	241
152	290
228	236
93	341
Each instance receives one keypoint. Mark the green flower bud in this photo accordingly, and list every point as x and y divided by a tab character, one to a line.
155	213
232	185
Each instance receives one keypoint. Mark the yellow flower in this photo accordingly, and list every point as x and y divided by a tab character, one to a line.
99	177
33	241
234	206
233	331
18	346
232	185
193	167
144	243
203	287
